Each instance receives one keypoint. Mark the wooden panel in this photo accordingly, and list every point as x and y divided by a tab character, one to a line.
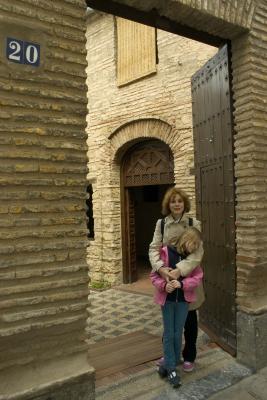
117	354
136	51
130	246
149	163
213	141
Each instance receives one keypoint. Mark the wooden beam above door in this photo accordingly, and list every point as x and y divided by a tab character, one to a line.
152	18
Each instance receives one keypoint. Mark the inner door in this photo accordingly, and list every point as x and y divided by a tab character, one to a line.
148	163
130	243
215	195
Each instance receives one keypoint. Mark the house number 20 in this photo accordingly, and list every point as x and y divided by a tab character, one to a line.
22	52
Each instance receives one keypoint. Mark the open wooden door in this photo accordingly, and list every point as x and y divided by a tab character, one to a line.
130	248
215	195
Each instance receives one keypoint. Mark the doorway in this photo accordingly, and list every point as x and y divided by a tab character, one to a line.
147	210
213	146
146	173
215	196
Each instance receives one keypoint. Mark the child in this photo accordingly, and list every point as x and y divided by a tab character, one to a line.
175	206
174	296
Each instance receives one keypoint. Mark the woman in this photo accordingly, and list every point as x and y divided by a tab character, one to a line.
175	205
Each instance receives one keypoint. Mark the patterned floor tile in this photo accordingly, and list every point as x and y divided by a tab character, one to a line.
114	312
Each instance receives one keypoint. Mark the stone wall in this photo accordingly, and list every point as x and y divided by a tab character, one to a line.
43	274
157	106
244	23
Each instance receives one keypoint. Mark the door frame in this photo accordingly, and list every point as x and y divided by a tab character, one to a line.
125	206
126	255
154	19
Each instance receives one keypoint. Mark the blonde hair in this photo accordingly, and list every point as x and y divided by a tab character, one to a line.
167	198
189	236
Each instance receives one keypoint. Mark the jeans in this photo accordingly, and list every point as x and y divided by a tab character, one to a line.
174	315
190	336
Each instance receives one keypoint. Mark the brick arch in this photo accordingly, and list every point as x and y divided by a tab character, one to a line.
142	129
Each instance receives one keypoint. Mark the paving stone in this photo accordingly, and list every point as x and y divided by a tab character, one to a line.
205	387
215	370
253	387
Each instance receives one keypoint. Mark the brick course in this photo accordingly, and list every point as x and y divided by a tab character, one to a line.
44	278
158	106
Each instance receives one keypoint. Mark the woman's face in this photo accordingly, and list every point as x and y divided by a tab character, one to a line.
176	206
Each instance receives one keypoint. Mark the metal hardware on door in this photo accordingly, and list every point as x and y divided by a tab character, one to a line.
211	139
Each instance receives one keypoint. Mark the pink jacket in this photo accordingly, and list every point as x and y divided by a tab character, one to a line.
189	283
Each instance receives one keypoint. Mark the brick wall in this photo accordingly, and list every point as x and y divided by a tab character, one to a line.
43	271
250	68
224	18
244	23
157	106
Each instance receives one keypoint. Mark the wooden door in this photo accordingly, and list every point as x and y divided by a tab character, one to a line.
147	163
215	195
130	247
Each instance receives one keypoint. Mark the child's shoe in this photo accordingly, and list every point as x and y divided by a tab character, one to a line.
174	379
188	366
162	371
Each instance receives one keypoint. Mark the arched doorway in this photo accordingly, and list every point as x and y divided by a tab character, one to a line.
146	172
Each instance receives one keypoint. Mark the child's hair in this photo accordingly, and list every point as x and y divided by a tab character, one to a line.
167	197
191	236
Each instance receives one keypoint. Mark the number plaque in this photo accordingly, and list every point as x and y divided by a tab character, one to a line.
22	52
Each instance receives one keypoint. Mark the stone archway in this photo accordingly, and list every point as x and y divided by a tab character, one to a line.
125	136
122	140
104	253
134	131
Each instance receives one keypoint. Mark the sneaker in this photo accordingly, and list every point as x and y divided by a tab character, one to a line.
188	366
174	379
162	371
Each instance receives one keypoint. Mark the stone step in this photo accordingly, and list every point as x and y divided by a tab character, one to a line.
215	370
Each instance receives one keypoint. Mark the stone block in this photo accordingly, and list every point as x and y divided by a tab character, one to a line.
54	381
251	339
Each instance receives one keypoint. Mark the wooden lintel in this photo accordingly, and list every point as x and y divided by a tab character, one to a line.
152	18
